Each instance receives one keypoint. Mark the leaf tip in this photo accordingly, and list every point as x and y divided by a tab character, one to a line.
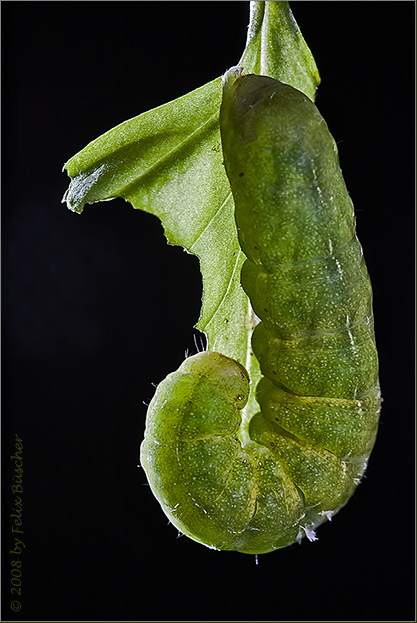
78	192
74	207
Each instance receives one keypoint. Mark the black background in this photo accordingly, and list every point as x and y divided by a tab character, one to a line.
97	307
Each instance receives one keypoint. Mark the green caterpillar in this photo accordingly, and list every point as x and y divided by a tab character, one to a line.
259	486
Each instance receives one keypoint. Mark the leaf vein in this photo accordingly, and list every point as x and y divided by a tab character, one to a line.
211	220
228	287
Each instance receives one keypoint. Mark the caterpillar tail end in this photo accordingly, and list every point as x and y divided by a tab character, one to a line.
228	81
231	75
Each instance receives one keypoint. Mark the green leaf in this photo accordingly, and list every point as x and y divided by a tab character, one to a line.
168	161
275	47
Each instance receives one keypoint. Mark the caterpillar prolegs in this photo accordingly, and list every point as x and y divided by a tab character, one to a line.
304	453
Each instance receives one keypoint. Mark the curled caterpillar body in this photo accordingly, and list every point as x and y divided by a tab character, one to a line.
319	397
